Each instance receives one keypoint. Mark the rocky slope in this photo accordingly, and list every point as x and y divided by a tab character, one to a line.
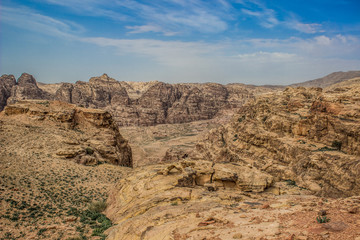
138	104
206	200
152	103
44	192
309	136
86	136
329	80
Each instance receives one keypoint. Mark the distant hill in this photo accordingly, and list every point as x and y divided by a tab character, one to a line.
329	80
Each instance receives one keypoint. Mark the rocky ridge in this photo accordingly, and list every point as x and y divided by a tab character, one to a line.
138	104
333	78
254	178
86	136
310	136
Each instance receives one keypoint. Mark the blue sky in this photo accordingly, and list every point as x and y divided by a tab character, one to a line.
248	41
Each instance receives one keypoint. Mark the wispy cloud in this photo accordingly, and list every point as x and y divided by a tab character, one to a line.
267	56
175	16
30	20
102	8
149	28
184	16
167	53
268	18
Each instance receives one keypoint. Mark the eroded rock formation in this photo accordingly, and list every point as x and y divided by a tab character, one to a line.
311	136
156	201
137	103
87	136
26	88
153	102
6	84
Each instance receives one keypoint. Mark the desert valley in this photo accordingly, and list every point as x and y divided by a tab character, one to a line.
108	159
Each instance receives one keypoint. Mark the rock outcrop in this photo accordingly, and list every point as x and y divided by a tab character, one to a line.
152	103
310	136
140	103
6	84
26	88
86	136
157	200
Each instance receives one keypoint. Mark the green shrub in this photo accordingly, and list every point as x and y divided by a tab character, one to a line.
98	206
322	219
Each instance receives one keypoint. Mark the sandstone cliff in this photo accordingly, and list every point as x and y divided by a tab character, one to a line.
26	88
6	84
86	136
310	136
137	103
153	102
155	202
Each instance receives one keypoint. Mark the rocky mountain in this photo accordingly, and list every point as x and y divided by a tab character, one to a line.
329	80
143	104
309	136
26	88
86	136
6	84
154	102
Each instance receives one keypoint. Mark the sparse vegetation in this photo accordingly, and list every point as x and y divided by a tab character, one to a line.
290	182
98	206
322	219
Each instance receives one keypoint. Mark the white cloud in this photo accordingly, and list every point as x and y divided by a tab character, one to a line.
267	56
304	27
27	19
168	53
181	16
149	28
266	17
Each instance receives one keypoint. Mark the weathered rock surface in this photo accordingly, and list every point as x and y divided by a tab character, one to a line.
310	136
26	88
140	103
87	136
157	200
6	84
203	200
153	102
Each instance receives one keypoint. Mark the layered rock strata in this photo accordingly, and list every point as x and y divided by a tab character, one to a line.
136	103
6	84
154	202
86	136
309	136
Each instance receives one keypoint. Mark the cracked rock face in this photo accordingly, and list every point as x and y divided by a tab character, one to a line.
138	103
86	136
168	193
311	136
152	103
26	88
6	84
